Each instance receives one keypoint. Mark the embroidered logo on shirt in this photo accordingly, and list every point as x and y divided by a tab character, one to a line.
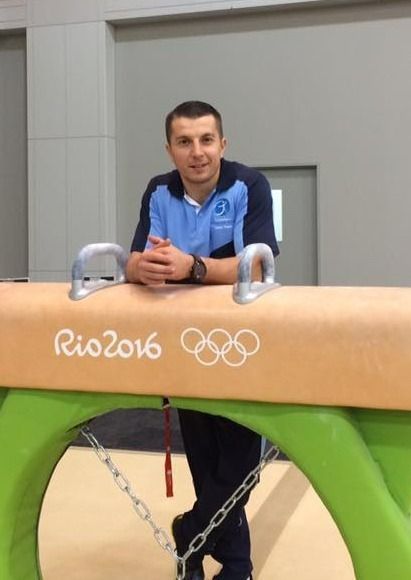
222	207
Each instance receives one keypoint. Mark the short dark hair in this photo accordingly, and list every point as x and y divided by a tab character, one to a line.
193	110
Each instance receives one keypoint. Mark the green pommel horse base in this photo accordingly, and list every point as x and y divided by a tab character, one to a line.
358	461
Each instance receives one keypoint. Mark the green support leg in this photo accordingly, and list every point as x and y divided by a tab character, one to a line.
388	436
327	445
36	427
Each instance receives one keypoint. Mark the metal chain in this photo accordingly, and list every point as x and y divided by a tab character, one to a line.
221	514
140	507
144	513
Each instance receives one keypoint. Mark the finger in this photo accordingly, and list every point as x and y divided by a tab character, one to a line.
153	278
156	267
158	242
156	273
155	239
152	281
156	257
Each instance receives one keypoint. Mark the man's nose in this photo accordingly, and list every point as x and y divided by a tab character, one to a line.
196	149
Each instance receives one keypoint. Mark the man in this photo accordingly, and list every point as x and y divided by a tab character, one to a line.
193	223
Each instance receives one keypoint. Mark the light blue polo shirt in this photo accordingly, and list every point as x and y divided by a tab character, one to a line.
237	213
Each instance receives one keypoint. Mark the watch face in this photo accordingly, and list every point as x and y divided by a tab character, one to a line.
199	270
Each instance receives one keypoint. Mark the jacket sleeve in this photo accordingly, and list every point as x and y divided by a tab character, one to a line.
258	223
150	220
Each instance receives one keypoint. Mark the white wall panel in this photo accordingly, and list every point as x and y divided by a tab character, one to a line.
83	71
106	51
130	9
17	14
83	186
107	190
200	4
47	194
49	12
91	202
71	106
46	77
12	14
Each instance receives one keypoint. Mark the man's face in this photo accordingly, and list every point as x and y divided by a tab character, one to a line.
196	149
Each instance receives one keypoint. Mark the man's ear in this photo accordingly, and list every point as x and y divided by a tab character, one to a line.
168	149
224	144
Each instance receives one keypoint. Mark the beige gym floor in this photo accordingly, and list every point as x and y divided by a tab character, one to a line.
89	530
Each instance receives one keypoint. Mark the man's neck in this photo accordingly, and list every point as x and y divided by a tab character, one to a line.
200	192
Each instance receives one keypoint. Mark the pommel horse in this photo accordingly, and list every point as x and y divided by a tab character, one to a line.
322	372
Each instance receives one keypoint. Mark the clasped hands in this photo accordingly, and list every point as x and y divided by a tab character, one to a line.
162	262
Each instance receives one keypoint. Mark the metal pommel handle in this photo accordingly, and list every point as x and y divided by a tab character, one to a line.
79	287
244	290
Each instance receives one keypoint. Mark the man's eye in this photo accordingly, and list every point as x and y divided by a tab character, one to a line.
183	142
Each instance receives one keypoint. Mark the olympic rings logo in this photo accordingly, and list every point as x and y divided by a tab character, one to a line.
219	344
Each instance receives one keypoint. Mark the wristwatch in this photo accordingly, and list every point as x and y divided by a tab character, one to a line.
198	270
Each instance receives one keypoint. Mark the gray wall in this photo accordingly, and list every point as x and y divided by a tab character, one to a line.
329	88
13	157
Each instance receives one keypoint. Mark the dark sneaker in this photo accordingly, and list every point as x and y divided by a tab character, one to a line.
197	574
194	566
230	576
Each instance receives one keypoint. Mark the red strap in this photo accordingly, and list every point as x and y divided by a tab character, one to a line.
167	443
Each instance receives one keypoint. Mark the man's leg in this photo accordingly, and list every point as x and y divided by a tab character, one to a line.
233	550
240	452
200	446
220	453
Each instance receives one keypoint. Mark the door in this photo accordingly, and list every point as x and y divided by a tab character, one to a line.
297	263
